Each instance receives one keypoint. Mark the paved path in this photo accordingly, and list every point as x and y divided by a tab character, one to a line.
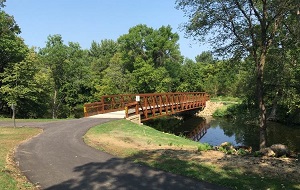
59	159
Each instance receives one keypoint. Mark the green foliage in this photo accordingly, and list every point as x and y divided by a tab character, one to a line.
60	78
21	86
151	58
221	112
242	152
190	77
257	154
69	72
204	147
2	3
245	29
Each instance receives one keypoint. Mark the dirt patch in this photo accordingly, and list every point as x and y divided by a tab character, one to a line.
284	168
210	108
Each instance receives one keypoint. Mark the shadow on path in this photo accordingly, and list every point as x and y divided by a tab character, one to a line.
58	159
120	174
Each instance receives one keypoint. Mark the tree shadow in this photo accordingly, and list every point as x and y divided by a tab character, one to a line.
262	174
118	173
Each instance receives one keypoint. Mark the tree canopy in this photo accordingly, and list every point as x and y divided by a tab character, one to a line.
242	28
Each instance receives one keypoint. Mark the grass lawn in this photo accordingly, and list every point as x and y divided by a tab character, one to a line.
178	155
10	176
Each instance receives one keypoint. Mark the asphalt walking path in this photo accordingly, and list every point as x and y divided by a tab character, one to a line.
59	159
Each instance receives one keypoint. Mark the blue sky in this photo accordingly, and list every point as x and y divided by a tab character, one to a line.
85	21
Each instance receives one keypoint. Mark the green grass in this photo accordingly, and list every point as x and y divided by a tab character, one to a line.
172	160
141	133
229	177
222	112
10	178
226	99
228	102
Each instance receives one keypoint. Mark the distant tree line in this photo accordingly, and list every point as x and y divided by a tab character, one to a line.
56	80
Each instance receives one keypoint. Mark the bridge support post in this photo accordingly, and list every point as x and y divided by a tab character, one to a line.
135	119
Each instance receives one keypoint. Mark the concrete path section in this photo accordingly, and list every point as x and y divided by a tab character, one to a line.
116	114
58	159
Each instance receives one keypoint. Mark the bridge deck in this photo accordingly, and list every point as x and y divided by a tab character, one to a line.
115	114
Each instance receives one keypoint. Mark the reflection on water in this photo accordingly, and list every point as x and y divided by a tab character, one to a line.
216	136
199	132
217	131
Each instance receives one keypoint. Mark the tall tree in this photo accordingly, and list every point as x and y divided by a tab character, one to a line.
101	54
77	83
243	28
22	89
152	58
12	48
54	56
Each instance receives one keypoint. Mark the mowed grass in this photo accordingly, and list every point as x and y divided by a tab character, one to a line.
171	153
135	138
10	177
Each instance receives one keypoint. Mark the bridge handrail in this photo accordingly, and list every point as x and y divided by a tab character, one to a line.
129	107
92	108
111	103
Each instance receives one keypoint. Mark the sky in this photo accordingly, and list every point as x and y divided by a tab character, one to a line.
95	20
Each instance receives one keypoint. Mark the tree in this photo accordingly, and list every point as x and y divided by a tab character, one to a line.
114	80
70	75
54	56
242	28
77	85
151	57
101	54
20	87
2	3
12	48
205	57
190	77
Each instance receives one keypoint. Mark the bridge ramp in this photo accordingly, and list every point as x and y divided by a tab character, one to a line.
116	115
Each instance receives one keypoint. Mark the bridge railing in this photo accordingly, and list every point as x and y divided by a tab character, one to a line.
149	105
160	104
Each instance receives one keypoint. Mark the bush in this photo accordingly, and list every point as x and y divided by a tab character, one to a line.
204	147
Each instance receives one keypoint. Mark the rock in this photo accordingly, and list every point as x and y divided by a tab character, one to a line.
280	150
267	152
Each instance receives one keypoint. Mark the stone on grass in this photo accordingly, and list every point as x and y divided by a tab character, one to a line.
267	152
280	150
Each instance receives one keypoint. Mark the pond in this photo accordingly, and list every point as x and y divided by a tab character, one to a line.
216	131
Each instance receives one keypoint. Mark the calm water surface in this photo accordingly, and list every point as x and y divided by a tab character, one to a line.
216	131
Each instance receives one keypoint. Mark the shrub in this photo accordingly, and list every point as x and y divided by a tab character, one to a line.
204	147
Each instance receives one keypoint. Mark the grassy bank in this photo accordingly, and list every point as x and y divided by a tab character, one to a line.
177	155
228	103
10	177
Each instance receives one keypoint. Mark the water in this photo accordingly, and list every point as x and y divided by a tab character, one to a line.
216	131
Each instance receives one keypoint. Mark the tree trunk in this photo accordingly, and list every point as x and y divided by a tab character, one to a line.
273	114
260	97
54	105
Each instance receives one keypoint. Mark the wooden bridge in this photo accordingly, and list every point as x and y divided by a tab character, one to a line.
148	106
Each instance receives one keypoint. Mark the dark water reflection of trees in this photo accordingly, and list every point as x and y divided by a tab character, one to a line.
242	134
